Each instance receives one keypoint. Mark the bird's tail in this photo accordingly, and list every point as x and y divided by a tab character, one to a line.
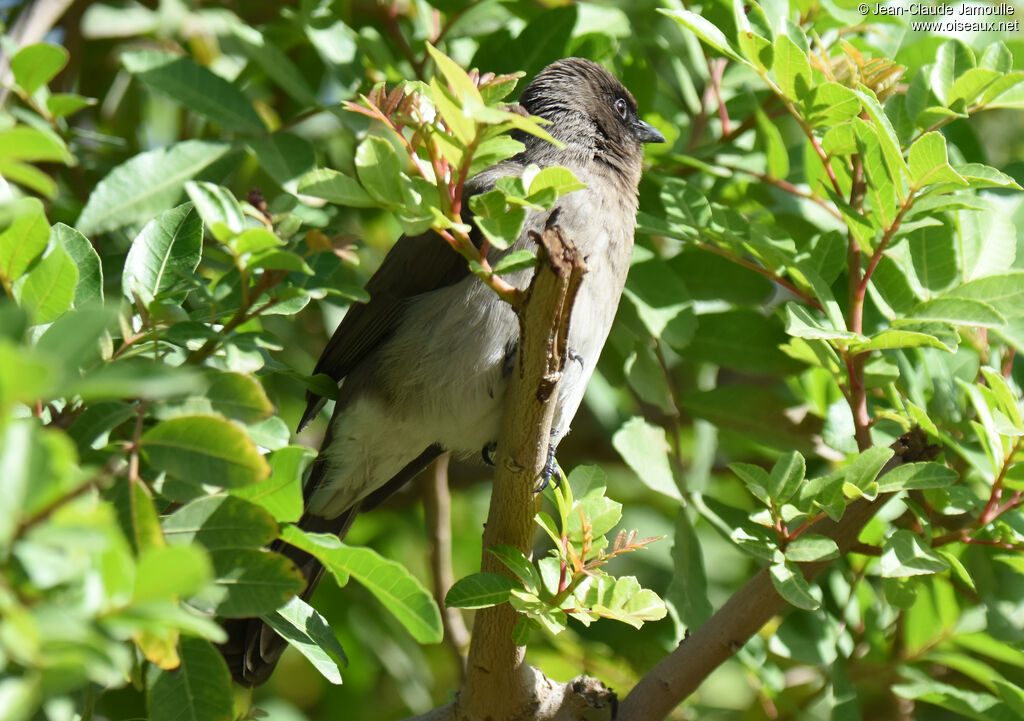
253	648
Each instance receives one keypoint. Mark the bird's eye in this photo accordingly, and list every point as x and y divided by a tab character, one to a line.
621	108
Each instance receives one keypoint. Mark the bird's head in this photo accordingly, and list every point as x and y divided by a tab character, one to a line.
591	112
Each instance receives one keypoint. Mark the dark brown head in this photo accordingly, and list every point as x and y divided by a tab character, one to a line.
591	112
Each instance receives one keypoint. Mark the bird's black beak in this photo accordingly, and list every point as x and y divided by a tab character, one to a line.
647	133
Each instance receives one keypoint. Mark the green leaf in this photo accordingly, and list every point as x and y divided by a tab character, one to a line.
218	522
89	288
515	261
959	311
792	586
953	58
281	493
831	104
863	470
1004	292
520	565
706	31
480	590
645	449
756	480
33	144
49	288
195	87
500	224
931	335
335	187
622	599
248	582
810	548
929	163
916	475
743	340
661	302
167	251
23	240
169	573
305	629
391	583
286	157
688	590
982	176
786	476
204	450
239	396
61	105
379	170
215	204
145	185
198	690
904	554
274	63
135	378
792	68
36	65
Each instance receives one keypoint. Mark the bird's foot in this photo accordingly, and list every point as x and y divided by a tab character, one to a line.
550	471
488	452
576	357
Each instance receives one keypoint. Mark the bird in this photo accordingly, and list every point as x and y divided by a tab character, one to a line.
423	366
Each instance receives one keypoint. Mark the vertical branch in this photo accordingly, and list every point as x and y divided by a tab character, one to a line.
499	685
437	504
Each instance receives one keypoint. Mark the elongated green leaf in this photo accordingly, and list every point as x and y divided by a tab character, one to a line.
216	204
645	450
810	548
379	170
392	584
917	475
792	68
198	690
49	288
169	573
195	87
335	187
218	522
706	31
305	629
27	143
786	476
480	590
145	185
959	311
904	554
167	251
248	582
274	63
23	240
286	157
206	450
791	585
89	288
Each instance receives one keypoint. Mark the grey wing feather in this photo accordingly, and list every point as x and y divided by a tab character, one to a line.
413	266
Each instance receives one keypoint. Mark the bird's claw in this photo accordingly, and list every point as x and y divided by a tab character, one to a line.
550	471
487	453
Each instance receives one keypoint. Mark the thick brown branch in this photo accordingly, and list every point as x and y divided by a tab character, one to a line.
680	673
499	685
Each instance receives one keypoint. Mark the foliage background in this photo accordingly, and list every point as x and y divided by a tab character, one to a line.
695	375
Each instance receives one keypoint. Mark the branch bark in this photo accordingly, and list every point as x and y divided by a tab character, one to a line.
681	672
499	685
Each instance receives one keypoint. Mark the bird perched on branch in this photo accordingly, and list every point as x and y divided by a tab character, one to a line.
424	365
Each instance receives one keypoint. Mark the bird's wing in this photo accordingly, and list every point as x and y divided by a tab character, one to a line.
415	265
